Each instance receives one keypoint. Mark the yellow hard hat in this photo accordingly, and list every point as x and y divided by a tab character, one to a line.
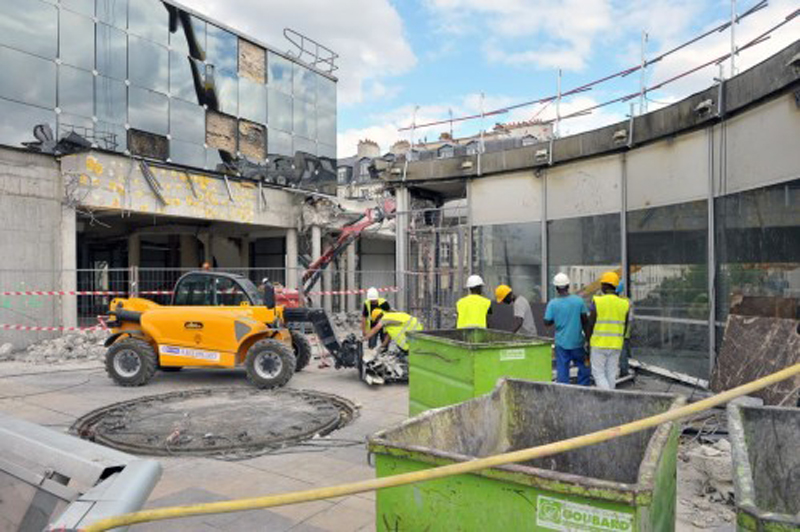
501	292
610	278
376	314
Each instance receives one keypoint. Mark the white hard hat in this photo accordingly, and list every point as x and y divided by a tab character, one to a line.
561	279
474	280
372	293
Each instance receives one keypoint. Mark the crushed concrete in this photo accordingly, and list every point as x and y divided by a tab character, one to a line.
73	346
705	485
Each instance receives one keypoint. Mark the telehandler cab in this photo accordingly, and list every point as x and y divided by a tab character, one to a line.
217	320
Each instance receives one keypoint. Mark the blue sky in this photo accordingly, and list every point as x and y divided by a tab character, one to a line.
441	55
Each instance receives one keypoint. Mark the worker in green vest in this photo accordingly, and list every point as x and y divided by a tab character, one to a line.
608	321
396	325
473	308
373	301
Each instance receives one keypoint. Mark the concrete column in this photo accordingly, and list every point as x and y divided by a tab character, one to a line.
69	266
291	258
134	250
327	285
351	276
244	253
316	252
208	254
189	252
401	246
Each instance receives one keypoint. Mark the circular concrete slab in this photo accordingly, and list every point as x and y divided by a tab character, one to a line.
215	421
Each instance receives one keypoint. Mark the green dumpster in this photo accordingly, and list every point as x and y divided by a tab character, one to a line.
626	484
450	366
765	447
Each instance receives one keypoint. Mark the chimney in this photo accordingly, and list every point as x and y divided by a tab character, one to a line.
368	148
400	147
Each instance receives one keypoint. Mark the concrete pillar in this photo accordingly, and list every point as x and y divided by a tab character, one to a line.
403	198
316	252
291	258
244	253
134	250
189	251
69	267
351	276
327	285
208	253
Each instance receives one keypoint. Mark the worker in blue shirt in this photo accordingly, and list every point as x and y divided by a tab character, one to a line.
570	316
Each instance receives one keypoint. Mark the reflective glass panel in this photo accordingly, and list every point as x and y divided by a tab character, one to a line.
253	101
68	123
187	121
148	64
77	40
305	145
510	254
326	93
305	119
19	120
112	137
187	154
213	159
149	19
190	30
223	49
326	126
280	110
225	85
584	248
111	100
84	7
280	73
148	110
30	25
184	75
113	12
305	83
758	247
34	79
327	150
279	143
75	91
112	52
676	346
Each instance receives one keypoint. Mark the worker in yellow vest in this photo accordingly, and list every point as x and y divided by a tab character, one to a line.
608	321
373	301
396	325
473	308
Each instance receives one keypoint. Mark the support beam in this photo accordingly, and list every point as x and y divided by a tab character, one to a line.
403	198
316	252
190	256
69	266
352	264
291	258
134	250
244	252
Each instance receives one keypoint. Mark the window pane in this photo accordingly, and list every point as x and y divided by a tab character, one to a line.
280	111
149	19
112	137
326	126
225	86
111	100
184	74
19	120
30	25
112	52
326	93
510	254
68	123
280	73
327	150
75	91
305	145
279	143
84	7
77	40
223	49
113	12
253	101
305	119
305	83
187	121
148	111
194	32
187	154
148	64
34	79
680	347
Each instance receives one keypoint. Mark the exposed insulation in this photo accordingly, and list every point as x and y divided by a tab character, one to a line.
221	131
252	140
148	144
252	61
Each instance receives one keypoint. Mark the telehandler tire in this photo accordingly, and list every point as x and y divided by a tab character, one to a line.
302	350
269	363
131	362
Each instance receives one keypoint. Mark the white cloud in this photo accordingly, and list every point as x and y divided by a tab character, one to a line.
368	35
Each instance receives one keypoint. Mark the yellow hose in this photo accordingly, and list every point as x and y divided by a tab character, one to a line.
443	471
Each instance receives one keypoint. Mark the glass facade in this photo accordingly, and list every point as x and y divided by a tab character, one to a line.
115	65
510	254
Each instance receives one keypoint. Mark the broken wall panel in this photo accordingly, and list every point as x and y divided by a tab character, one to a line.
148	145
221	131
252	61
252	140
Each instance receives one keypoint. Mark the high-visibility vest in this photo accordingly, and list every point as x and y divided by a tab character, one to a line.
370	308
472	311
609	329
397	324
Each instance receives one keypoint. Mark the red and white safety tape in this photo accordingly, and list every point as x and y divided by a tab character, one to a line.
353	292
167	292
41	328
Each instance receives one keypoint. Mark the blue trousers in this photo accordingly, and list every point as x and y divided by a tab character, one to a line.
577	356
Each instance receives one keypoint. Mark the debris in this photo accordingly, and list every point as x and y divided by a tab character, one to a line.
6	350
73	346
705	484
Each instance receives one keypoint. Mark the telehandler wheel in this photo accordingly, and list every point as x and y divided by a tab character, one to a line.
269	363
131	362
302	350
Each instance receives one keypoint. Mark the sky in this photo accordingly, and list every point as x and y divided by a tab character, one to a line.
421	60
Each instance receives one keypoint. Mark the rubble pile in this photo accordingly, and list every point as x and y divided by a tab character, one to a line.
345	323
705	484
73	346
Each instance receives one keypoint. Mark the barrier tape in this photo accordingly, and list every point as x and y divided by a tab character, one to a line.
352	292
167	292
9	327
